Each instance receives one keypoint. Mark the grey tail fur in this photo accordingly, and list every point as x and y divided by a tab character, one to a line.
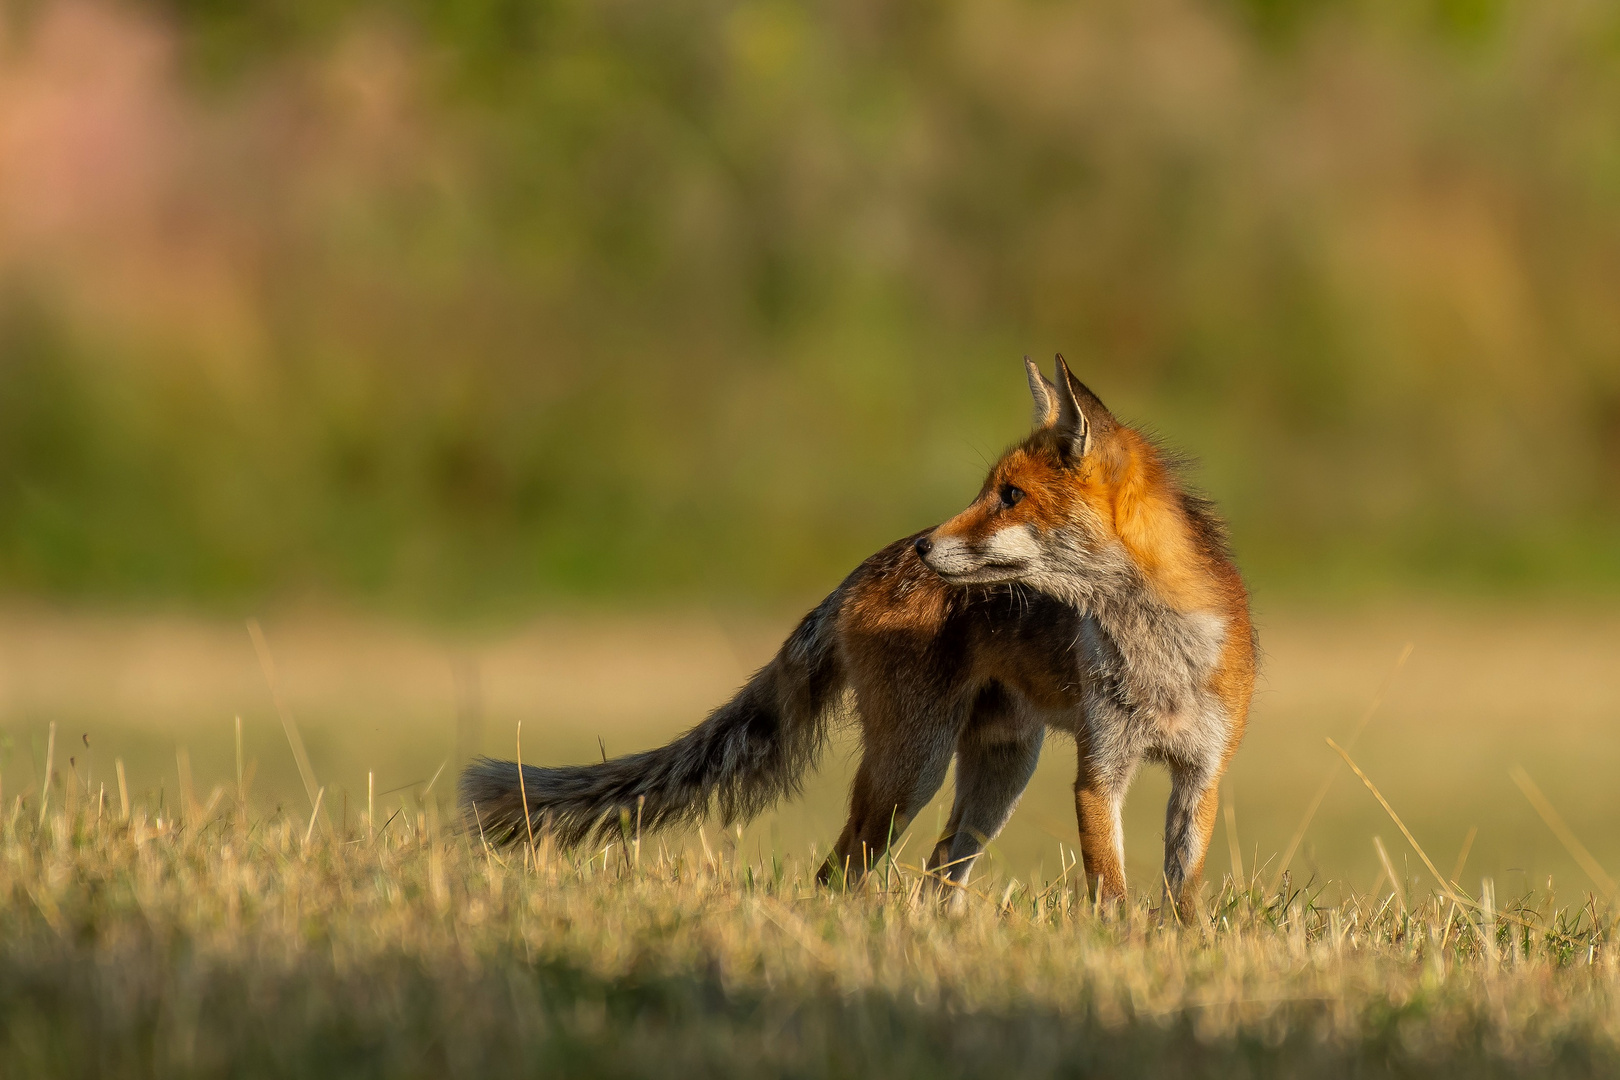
750	752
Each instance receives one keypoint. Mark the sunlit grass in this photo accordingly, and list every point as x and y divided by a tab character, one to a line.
204	932
218	941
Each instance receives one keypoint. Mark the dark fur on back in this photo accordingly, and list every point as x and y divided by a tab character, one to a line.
746	755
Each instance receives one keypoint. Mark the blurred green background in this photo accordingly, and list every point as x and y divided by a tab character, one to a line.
452	308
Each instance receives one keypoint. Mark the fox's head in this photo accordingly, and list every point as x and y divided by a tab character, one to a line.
1083	499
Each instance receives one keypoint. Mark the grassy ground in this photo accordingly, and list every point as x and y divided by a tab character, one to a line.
211	944
1485	689
202	932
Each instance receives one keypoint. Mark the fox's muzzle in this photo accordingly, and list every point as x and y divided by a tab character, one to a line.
1004	556
949	556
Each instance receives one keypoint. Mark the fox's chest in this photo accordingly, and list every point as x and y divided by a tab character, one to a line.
1150	685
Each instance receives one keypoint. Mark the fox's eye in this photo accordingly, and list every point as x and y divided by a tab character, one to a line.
1010	495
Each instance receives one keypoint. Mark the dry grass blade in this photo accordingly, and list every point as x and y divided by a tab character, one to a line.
1445	886
50	763
267	664
1063	877
523	789
1232	841
1389	871
943	881
1462	856
1561	829
1487	919
795	929
241	787
434	779
1333	770
314	815
188	795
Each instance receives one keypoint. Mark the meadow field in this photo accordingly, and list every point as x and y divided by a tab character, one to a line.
531	366
173	907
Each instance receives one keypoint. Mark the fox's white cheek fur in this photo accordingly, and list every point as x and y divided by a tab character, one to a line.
1015	545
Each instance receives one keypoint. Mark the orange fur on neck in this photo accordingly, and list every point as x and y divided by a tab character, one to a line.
1149	522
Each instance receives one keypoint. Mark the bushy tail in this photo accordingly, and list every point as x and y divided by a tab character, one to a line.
749	753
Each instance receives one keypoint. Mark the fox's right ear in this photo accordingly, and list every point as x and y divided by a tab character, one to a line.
1082	416
1044	393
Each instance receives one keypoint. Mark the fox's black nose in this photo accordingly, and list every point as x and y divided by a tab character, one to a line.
924	546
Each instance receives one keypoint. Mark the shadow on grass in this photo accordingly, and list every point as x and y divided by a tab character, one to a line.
155	1008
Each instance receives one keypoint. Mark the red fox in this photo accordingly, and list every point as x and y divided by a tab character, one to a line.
1084	590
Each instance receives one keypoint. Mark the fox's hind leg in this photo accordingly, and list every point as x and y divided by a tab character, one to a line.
907	751
996	755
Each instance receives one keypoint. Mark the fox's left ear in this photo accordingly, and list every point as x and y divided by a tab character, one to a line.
1082	417
1044	394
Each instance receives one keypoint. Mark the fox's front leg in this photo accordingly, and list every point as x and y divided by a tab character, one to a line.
1189	822
1099	800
